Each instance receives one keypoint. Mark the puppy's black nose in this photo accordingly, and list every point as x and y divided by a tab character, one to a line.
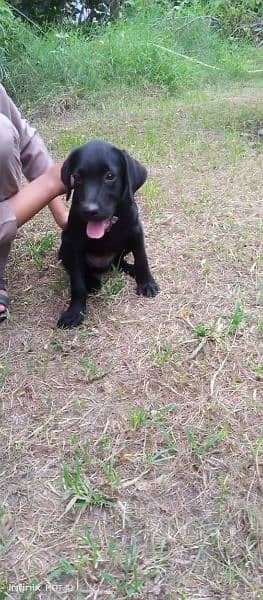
92	209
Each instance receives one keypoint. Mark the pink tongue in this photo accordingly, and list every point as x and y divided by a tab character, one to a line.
96	229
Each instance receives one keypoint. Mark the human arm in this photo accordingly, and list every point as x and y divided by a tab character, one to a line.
35	159
37	194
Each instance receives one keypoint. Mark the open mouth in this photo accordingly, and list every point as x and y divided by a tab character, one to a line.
97	229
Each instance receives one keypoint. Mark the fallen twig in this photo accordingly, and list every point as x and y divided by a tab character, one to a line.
199	347
199	62
216	374
128	482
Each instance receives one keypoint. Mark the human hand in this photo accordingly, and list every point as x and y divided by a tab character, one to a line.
59	212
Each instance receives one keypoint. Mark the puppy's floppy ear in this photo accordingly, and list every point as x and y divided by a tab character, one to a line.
136	174
66	173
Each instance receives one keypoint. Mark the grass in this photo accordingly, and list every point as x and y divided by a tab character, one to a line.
236	319
80	491
4	373
40	248
211	441
64	567
165	353
93	546
138	418
114	285
89	367
126	476
111	474
144	48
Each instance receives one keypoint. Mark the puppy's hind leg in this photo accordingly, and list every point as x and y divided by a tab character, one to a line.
122	264
146	285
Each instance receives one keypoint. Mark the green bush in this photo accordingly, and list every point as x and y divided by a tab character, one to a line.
232	17
6	23
237	16
15	39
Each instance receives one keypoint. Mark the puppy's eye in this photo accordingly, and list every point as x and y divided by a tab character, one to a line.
109	176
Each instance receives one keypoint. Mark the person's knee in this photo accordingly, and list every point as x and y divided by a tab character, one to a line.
9	138
8	224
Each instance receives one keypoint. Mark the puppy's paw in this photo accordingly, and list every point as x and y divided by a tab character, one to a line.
149	288
70	318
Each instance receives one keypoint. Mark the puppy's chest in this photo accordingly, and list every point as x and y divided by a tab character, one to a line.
99	254
99	262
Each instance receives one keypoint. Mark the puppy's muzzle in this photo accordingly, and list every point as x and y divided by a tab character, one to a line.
91	210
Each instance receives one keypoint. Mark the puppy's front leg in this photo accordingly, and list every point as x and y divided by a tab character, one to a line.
75	313
146	285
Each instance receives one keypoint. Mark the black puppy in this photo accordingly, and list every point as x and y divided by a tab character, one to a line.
103	223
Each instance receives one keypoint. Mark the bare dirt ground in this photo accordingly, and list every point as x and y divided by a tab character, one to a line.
130	468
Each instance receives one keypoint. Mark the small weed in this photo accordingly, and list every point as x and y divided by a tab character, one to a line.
258	371
37	250
114	284
57	346
80	490
115	269
224	489
260	327
162	455
64	568
259	444
89	368
85	333
16	448
236	319
201	330
165	353
160	423
132	581
44	365
211	441
109	470
138	418
94	548
81	451
112	547
166	453
80	403
212	331
104	442
165	410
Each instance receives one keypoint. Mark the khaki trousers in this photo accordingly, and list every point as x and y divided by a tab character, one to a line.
10	178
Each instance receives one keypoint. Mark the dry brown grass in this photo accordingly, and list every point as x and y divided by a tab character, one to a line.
122	395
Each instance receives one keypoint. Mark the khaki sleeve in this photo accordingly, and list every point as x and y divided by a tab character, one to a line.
34	155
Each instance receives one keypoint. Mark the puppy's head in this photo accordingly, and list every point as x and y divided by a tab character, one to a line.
105	181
